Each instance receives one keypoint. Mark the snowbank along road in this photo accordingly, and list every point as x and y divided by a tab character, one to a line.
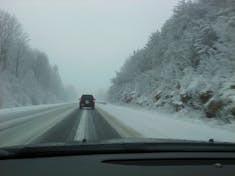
67	123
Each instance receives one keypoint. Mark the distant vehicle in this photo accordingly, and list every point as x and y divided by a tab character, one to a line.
87	101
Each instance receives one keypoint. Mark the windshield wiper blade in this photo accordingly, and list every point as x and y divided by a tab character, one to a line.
116	148
5	153
159	140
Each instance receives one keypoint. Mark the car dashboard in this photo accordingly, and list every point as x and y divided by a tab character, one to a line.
138	163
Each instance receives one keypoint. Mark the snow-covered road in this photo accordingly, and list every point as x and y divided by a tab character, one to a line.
153	124
24	125
66	122
53	123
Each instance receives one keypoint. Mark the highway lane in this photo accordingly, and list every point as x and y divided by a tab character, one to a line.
66	123
56	125
81	125
24	129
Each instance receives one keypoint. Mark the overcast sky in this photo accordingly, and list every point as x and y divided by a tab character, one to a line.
89	39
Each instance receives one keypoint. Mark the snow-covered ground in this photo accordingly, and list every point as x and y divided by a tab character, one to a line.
154	124
23	125
7	111
27	124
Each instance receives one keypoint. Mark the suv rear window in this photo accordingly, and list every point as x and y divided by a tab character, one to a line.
87	97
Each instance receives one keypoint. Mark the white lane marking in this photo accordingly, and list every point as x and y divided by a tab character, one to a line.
81	130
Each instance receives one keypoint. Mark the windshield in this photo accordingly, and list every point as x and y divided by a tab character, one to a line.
107	71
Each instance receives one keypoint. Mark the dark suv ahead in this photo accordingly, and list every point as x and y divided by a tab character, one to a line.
87	101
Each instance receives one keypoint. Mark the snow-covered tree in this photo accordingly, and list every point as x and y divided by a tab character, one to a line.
188	64
26	76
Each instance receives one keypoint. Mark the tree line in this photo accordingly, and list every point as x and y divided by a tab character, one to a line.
188	64
26	76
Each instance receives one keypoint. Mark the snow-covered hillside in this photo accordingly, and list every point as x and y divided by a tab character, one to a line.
188	65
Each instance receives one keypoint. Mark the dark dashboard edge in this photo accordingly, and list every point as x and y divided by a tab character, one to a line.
124	148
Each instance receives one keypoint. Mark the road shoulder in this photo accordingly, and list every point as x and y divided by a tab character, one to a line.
122	129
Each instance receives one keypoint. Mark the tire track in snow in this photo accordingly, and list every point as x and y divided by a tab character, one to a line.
63	131
26	132
94	128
